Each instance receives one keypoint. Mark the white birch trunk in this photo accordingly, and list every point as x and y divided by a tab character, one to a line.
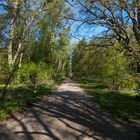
10	53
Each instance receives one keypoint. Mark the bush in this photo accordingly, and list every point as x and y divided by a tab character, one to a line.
110	65
2	115
45	73
26	70
117	72
40	72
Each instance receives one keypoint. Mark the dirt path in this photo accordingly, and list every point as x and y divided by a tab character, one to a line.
67	114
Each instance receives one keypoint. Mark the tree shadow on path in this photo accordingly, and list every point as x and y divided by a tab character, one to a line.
69	115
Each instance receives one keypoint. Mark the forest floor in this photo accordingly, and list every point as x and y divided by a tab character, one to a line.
66	114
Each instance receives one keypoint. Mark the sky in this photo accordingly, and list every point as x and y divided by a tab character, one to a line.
1	9
85	31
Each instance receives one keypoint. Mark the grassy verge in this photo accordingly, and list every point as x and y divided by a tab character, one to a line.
119	104
20	96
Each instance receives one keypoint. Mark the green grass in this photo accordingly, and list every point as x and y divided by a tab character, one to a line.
20	96
119	104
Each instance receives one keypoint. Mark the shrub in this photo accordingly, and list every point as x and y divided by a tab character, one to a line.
40	72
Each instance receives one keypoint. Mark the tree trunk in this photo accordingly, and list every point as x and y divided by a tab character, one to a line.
17	52
136	23
10	47
138	14
20	60
10	57
9	79
59	65
63	67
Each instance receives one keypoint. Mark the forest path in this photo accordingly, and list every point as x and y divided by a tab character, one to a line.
67	114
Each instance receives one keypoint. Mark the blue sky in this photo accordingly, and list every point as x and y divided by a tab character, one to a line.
85	31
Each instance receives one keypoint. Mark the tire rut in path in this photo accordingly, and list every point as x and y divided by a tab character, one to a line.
67	114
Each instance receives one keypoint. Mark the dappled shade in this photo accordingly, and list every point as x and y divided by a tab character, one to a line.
68	115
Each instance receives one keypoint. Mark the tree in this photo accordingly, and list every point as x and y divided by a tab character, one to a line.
18	31
37	34
107	64
116	16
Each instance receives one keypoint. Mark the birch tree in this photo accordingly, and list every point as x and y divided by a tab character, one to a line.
16	59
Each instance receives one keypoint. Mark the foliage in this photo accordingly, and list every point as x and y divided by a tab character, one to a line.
107	64
37	38
117	69
42	71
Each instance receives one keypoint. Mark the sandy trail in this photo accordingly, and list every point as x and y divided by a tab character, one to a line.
67	114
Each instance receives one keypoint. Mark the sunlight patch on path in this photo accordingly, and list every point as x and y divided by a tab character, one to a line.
68	85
